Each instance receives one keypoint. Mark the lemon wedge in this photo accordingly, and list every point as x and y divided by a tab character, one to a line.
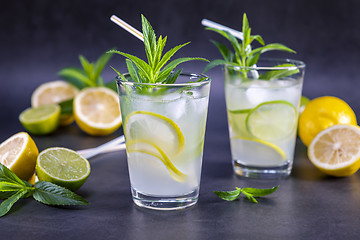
336	150
19	153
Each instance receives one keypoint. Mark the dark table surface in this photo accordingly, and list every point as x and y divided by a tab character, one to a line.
38	38
307	205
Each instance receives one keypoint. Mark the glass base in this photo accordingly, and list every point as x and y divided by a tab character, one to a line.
165	202
274	172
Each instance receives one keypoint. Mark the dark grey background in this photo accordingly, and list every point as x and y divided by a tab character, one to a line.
38	38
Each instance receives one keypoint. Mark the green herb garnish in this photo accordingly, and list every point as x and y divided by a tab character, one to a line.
13	188
157	69
90	73
250	193
243	54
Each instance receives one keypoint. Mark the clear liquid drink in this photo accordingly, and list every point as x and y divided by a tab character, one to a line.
262	116
164	127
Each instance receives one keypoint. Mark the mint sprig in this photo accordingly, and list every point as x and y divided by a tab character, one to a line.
243	54
90	73
250	193
13	188
157	69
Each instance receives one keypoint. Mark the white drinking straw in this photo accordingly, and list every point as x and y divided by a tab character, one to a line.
127	27
208	23
115	144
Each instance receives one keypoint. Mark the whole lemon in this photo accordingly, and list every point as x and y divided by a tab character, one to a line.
321	113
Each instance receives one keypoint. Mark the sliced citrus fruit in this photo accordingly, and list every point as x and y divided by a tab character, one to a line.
150	149
55	92
321	113
63	167
272	120
336	150
19	153
164	132
260	152
97	111
41	120
237	122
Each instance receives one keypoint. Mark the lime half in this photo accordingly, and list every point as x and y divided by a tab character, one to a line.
257	152
162	131
63	167
272	120
41	120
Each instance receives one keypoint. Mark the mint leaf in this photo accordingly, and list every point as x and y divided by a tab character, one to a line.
8	203
258	192
6	175
228	195
282	73
52	194
243	55
67	106
156	70
11	187
75	76
250	193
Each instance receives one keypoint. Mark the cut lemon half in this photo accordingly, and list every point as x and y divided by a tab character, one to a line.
19	153
257	152
97	111
55	92
272	120
336	150
150	149
162	131
41	120
63	167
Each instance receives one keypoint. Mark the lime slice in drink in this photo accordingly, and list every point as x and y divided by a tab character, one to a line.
257	152
41	120
149	149
237	122
162	131
63	167
272	120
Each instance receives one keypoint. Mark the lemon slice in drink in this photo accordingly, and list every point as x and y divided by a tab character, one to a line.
162	131
19	153
272	120
55	92
63	167
41	120
260	152
148	148
97	111
336	150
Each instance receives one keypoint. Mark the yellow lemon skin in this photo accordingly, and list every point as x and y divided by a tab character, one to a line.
24	165
321	113
336	150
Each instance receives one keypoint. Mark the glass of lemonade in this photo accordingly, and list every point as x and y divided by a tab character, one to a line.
164	128
262	106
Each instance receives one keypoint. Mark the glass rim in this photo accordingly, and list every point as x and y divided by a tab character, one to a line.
298	64
193	84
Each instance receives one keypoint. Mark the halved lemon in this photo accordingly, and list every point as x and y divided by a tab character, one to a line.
19	153
259	152
148	148
97	111
336	150
55	92
272	120
162	131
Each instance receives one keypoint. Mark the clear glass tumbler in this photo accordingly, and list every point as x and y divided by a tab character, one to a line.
262	107
164	128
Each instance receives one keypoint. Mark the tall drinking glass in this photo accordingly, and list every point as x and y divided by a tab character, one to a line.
262	106
164	127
